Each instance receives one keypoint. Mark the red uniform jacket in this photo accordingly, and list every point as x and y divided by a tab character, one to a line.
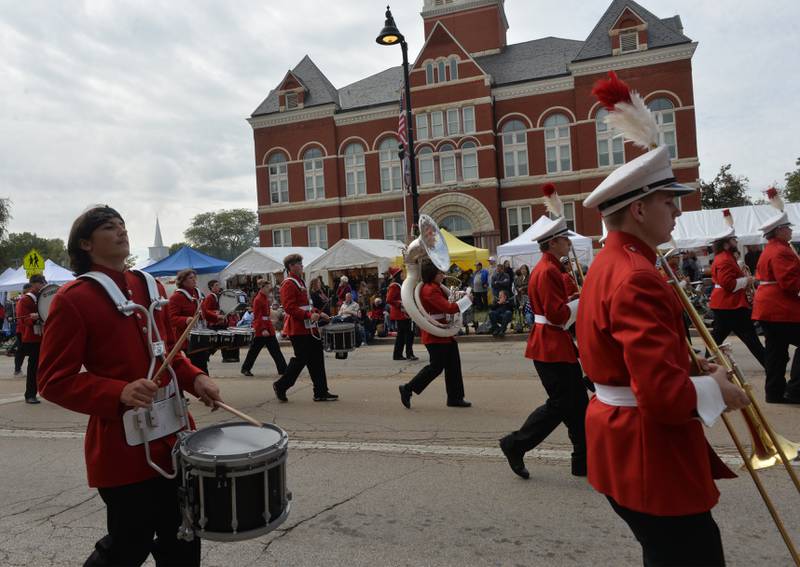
25	307
180	308
296	305
569	284
436	302
777	301
724	273
652	458
84	329
261	319
395	302
548	297
210	308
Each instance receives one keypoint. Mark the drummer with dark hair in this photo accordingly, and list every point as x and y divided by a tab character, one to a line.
210	306
94	360
183	305
30	329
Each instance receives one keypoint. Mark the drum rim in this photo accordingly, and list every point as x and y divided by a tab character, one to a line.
238	459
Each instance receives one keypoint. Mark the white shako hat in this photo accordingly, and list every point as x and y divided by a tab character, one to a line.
775	222
550	229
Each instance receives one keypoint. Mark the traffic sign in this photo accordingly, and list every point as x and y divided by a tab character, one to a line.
33	263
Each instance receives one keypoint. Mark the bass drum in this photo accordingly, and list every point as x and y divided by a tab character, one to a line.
232	300
46	296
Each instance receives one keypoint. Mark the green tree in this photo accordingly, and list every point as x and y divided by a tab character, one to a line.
17	244
791	192
175	247
726	190
5	215
224	234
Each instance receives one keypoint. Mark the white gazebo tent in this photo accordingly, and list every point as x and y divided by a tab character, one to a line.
523	250
357	253
53	273
267	260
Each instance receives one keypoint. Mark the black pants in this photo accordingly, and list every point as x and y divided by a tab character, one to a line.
32	352
480	299
404	338
444	356
274	351
307	352
19	354
679	541
566	403
778	337
738	321
135	513
500	320
200	359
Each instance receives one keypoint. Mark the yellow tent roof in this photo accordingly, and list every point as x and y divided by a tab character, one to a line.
462	254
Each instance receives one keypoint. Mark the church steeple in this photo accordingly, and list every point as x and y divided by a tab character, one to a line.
479	25
158	251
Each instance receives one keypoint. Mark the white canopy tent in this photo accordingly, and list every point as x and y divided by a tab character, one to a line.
357	253
53	273
523	250
267	260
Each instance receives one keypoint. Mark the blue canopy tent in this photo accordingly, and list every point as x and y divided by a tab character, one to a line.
186	258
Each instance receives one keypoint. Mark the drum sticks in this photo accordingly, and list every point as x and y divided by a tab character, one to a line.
239	414
177	348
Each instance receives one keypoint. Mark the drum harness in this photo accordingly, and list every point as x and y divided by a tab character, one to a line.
37	325
306	322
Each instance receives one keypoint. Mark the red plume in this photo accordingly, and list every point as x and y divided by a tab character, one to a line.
611	91
552	201
727	217
775	198
548	189
772	193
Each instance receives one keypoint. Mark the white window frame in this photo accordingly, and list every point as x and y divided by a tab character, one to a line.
607	142
447	164
469	152
421	131
391	169
515	149
437	124
318	235
441	71
569	215
517	223
665	118
355	171
453	64
314	175
425	166
453	122
358	229
429	78
468	119
282	237
278	178
394	228
291	101
622	43
557	143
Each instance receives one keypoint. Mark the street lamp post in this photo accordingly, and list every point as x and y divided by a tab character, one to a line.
390	35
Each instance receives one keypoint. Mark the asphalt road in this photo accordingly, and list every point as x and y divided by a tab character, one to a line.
375	484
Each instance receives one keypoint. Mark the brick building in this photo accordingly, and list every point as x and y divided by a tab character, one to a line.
492	123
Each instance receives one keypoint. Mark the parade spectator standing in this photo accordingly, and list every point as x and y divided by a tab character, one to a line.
500	281
690	267
28	319
480	287
501	314
343	289
319	298
751	258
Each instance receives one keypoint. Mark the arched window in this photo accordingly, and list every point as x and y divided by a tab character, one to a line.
556	143
456	225
469	161
278	178
453	69
354	172
391	177
312	165
515	148
447	163
610	143
440	67
429	73
425	159
664	111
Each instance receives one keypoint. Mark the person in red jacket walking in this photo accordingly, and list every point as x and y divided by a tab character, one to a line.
95	360
554	356
31	333
442	350
183	304
405	331
264	332
776	307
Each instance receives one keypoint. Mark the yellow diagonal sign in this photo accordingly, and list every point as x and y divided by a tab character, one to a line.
33	263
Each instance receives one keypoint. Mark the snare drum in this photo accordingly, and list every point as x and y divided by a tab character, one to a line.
224	339
44	300
202	339
242	336
339	337
233	478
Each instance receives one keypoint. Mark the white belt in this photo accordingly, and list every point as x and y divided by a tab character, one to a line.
717	286
615	395
438	316
542	320
767	283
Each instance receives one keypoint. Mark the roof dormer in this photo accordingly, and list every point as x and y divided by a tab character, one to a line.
480	25
628	33
291	93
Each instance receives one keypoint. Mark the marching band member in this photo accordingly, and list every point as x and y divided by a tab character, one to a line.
300	318
728	298
554	356
31	332
776	307
443	351
646	450
210	306
183	305
569	281
94	361
263	333
405	332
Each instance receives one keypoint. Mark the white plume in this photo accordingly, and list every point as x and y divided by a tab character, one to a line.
635	121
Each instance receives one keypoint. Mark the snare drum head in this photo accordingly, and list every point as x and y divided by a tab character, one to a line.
339	327
232	299
46	296
228	442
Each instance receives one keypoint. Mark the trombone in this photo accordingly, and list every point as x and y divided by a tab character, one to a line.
768	448
572	269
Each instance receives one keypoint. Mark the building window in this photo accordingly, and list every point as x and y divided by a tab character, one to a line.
447	163
519	220
425	158
391	179
456	225
664	111
515	149
354	172
422	127
437	125
282	237
358	229
469	161
453	122
556	143
629	41
453	69
318	235
468	113
429	73
610	143
394	229
440	65
569	215
291	101
278	179
312	164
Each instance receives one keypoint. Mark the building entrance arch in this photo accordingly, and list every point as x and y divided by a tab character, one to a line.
467	216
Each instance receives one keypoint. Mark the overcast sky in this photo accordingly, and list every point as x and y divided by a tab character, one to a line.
142	104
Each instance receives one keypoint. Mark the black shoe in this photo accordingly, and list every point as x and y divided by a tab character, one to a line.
501	334
411	357
326	397
784	400
514	459
32	401
579	467
405	396
462	403
247	373
398	358
280	394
